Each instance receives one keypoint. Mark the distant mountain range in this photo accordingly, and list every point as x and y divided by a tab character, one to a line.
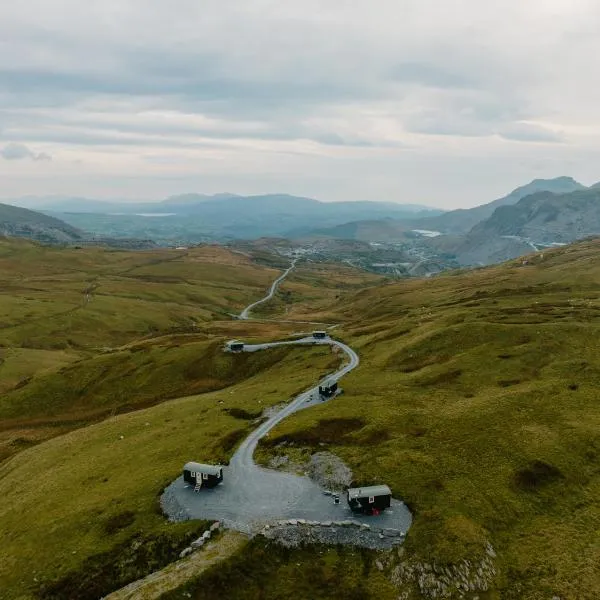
22	222
542	213
193	218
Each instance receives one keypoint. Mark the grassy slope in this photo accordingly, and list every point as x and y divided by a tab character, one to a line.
476	400
70	487
465	382
89	298
65	306
310	291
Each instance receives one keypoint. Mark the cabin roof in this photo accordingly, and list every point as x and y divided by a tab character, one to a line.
366	492
202	468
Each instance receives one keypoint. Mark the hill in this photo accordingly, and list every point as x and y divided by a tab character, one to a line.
21	222
70	315
540	214
454	222
463	220
475	400
537	221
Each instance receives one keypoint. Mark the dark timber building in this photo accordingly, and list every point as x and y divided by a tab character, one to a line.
369	500
319	335
328	389
200	475
235	346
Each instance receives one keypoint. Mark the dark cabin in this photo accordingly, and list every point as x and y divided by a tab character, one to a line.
328	389
200	475
369	500
235	346
319	335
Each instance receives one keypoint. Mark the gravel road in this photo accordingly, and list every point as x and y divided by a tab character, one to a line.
245	314
252	496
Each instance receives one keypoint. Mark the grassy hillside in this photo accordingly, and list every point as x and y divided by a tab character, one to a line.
86	299
312	289
65	315
476	400
86	333
88	493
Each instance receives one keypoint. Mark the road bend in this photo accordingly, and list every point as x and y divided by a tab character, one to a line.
245	314
252	496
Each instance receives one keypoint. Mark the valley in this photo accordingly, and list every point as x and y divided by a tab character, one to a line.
474	401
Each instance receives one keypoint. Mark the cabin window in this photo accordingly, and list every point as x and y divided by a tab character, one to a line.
371	499
193	474
204	475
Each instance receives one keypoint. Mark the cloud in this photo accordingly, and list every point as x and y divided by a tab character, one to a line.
530	132
15	151
396	85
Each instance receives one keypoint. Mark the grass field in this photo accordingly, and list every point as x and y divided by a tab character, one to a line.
86	299
85	333
74	486
475	400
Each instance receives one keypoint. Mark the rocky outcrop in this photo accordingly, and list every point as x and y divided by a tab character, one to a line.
329	471
172	508
434	581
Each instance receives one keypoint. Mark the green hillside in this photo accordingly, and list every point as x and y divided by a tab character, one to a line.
91	496
475	400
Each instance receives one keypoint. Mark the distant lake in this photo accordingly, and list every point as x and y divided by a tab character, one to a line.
155	214
143	214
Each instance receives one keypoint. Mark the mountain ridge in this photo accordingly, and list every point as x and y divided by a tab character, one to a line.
22	222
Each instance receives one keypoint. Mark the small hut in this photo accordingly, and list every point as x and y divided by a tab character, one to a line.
235	346
319	335
369	500
200	475
328	389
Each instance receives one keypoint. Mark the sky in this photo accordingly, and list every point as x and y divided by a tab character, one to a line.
447	104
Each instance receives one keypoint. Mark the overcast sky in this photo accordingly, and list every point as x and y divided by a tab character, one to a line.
448	103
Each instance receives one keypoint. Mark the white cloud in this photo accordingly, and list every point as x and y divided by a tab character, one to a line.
14	151
346	99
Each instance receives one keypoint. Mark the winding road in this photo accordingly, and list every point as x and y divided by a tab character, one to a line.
245	314
252	496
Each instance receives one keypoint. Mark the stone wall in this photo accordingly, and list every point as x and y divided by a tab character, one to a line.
295	532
